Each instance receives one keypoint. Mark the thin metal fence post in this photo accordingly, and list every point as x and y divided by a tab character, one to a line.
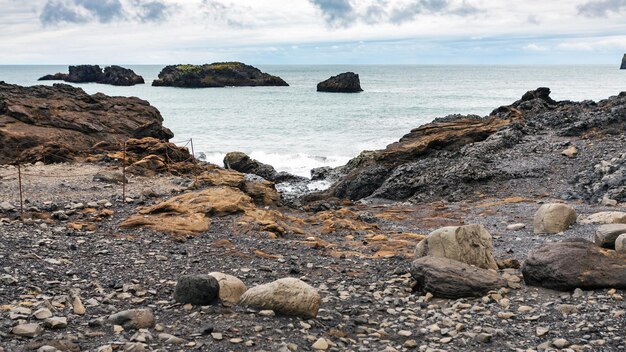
19	178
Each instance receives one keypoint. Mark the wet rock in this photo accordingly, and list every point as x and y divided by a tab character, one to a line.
54	77
554	218
27	330
230	288
288	296
447	278
219	74
606	235
198	290
347	82
241	162
133	319
575	263
470	244
114	75
120	76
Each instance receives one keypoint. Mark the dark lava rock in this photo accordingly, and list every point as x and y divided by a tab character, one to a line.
219	74
516	146
113	75
623	67
241	162
84	74
347	82
49	117
447	278
55	77
199	290
120	76
575	263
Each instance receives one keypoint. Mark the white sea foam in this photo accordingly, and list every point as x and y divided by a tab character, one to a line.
299	164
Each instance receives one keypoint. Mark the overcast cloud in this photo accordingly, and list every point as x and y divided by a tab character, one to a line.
312	31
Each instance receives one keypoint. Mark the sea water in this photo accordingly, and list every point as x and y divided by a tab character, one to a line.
296	128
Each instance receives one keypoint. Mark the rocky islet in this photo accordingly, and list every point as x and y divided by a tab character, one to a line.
113	75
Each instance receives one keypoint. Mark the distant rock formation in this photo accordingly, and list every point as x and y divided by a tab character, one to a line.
623	63
55	77
113	75
215	75
65	121
347	82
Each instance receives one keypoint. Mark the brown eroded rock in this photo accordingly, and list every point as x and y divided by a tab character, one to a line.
449	278
34	116
191	213
575	263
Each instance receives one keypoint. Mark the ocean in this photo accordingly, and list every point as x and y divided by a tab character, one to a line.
296	128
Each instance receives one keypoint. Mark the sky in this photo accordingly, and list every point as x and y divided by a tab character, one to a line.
312	31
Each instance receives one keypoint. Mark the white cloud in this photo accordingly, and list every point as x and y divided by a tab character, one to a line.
206	30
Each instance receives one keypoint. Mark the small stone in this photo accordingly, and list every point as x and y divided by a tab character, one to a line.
217	336
567	309
405	333
105	348
560	343
56	322
516	227
410	344
6	207
484	338
236	340
118	329
288	296
267	313
134	318
170	339
199	290
524	309
570	152
43	313
27	330
321	344
47	349
541	331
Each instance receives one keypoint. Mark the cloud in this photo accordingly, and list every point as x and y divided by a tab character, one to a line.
152	11
228	14
103	11
601	8
337	12
343	13
57	11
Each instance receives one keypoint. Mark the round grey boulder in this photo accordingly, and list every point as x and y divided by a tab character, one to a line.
199	290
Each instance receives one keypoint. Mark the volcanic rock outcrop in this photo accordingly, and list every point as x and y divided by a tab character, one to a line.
347	82
113	75
219	74
623	67
515	147
39	118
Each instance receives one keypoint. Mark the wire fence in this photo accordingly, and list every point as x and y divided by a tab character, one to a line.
25	175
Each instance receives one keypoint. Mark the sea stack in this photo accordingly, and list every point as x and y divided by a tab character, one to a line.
623	63
113	75
347	82
215	75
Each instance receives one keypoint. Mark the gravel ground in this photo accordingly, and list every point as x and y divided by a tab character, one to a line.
367	301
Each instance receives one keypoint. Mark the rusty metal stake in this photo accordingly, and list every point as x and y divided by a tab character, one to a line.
124	174
193	157
19	178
